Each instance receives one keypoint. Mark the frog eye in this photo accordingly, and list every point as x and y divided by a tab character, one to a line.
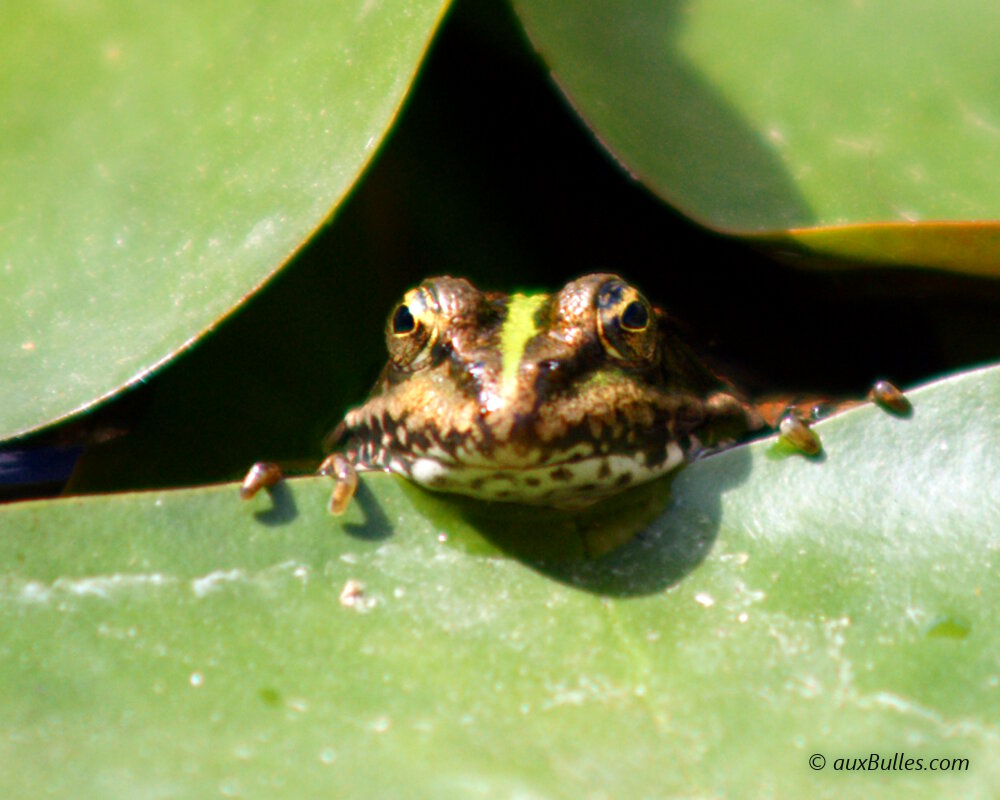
411	330
625	322
403	321
635	317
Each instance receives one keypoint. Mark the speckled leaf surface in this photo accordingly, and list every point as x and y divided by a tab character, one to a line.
160	161
787	117
183	643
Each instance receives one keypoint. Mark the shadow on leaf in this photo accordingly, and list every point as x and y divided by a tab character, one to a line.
376	525
637	543
282	509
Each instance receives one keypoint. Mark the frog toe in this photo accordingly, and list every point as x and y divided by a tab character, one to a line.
794	431
262	475
346	477
889	397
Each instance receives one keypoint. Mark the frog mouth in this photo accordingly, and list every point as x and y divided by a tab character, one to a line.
572	482
582	464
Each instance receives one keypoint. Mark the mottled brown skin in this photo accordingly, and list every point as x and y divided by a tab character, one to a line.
558	400
585	386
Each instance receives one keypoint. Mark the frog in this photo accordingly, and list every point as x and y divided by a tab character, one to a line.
558	400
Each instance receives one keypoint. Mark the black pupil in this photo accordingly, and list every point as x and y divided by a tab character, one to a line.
635	317
402	321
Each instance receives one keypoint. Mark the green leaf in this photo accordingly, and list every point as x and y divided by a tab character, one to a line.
184	643
160	162
785	117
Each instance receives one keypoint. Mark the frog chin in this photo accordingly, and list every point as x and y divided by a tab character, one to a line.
571	483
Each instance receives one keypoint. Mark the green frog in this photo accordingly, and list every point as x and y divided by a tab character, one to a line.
559	400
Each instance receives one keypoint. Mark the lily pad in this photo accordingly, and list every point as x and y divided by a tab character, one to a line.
784	117
160	163
185	643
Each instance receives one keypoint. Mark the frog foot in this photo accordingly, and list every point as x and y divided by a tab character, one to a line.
343	472
262	475
265	474
794	424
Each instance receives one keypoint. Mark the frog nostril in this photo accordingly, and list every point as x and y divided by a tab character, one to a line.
549	368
